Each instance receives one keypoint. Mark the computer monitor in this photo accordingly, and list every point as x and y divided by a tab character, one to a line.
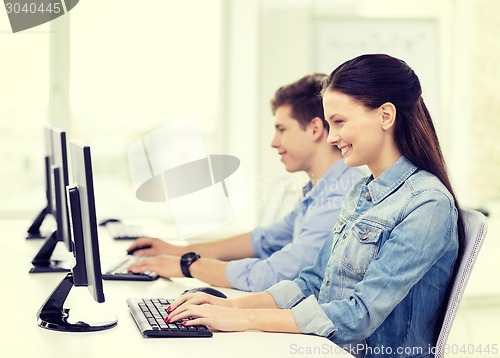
33	231
58	180
60	174
87	270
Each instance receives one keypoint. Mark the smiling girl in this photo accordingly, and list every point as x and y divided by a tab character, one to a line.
380	281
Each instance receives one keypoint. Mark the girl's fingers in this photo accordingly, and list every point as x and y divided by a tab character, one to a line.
180	301
181	312
201	321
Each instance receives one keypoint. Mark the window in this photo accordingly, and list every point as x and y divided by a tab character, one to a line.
23	111
134	67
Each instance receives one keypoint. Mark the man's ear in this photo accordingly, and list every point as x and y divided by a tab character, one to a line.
388	119
317	127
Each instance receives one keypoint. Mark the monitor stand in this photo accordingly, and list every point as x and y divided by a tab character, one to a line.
42	261
33	231
52	315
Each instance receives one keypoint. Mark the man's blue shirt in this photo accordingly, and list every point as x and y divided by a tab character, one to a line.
284	248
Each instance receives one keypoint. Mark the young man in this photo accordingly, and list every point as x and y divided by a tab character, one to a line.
255	261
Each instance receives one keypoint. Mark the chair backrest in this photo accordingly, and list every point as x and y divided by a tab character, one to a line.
475	231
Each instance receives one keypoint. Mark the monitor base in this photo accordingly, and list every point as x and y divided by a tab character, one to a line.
38	236
52	266
54	316
63	321
42	261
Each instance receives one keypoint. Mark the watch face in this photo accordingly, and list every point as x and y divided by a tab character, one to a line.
190	257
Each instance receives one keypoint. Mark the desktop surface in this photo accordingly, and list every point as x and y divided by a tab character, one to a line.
23	294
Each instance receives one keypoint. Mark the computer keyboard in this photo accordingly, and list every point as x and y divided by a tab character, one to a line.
149	314
120	231
120	271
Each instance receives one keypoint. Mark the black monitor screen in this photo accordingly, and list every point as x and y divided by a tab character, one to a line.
49	161
87	270
57	179
60	181
89	274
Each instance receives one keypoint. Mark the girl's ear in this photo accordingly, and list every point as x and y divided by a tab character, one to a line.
388	115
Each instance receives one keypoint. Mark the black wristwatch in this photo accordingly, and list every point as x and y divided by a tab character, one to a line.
186	261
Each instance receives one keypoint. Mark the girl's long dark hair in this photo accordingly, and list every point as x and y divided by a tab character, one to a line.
375	79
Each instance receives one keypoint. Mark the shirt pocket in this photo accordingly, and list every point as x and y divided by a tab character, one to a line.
361	248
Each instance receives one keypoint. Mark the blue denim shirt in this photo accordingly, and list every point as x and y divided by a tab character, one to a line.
380	278
284	248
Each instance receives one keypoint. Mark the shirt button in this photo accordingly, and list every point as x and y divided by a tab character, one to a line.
368	196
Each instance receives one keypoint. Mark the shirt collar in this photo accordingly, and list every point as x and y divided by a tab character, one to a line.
390	179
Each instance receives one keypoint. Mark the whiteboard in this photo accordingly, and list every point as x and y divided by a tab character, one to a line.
414	41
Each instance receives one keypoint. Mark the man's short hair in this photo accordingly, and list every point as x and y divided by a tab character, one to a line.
304	98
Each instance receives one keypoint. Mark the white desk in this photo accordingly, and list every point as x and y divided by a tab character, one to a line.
24	293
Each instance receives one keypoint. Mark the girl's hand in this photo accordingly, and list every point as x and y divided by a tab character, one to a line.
163	265
199	298
227	315
214	312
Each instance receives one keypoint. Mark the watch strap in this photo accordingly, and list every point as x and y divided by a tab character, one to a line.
186	261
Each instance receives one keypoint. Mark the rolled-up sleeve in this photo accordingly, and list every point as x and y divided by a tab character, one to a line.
288	295
321	325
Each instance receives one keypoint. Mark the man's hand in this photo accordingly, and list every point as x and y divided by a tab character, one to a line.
163	265
149	246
